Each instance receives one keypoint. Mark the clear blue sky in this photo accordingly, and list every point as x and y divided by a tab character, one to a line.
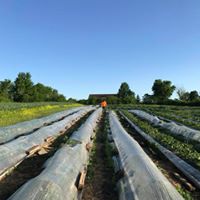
91	46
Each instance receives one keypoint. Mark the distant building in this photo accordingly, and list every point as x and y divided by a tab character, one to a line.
101	96
98	98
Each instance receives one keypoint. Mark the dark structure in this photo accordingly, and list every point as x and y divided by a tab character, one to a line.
101	96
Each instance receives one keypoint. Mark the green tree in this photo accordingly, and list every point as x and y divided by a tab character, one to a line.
125	91
93	101
6	88
83	101
23	90
148	99
61	98
23	86
129	100
112	100
72	100
138	99
183	94
41	92
193	96
162	90
125	94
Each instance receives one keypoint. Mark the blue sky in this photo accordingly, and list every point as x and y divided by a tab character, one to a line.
91	46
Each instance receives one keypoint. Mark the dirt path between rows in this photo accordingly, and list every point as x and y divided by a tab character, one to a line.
100	186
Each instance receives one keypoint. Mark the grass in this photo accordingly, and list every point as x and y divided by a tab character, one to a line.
12	113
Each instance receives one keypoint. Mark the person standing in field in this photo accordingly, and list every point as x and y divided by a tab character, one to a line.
103	104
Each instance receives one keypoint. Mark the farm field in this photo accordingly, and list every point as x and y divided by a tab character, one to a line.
100	100
12	113
188	115
91	152
179	144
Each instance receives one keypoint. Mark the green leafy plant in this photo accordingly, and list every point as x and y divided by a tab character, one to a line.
182	149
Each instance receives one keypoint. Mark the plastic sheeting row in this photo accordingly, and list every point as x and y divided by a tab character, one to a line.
190	172
10	132
13	152
142	179
174	128
57	181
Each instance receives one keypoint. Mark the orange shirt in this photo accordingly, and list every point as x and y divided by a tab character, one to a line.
103	104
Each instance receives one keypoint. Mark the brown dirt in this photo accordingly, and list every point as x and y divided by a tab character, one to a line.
101	186
28	169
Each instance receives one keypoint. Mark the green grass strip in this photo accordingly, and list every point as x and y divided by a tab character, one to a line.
13	116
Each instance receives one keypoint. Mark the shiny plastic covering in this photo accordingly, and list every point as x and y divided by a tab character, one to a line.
10	132
174	128
82	135
189	171
13	152
142	179
57	181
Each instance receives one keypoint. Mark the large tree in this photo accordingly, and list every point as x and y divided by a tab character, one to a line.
125	94
183	94
162	90
194	96
45	93
39	92
112	100
6	88
23	88
93	100
124	91
138	99
148	99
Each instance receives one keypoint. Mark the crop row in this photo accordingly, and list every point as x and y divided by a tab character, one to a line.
182	149
62	174
178	131
189	116
17	150
142	179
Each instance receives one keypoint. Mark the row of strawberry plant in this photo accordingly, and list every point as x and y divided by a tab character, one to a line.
182	149
189	118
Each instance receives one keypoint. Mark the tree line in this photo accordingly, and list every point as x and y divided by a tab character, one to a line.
24	90
162	90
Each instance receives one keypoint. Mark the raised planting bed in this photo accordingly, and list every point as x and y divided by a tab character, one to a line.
142	179
63	173
17	150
